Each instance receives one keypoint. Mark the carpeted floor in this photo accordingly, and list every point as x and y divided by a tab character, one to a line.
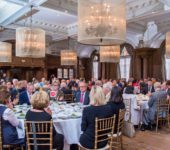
148	140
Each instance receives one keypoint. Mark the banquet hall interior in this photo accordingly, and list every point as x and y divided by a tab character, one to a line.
71	64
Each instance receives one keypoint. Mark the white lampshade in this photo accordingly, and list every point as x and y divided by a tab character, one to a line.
101	22
30	42
110	54
68	58
167	51
5	52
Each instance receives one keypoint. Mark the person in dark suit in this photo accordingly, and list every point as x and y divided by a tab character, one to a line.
116	103
98	109
82	95
148	88
24	96
129	89
65	89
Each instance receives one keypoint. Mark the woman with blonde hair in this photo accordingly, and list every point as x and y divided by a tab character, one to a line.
97	109
41	112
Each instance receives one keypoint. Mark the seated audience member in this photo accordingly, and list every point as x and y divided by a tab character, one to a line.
14	91
24	96
149	115
116	102
58	94
83	95
74	90
41	112
149	88
114	83
98	109
64	88
9	120
107	87
98	83
129	89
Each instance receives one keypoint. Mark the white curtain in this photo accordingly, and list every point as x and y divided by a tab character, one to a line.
167	68
95	70
125	67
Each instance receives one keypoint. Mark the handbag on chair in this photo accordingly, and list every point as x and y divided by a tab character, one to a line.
128	129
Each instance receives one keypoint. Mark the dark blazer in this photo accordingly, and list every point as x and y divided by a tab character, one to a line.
14	93
115	107
86	98
88	124
129	90
23	98
145	89
66	90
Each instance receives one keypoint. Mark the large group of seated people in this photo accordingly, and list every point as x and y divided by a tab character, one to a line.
104	98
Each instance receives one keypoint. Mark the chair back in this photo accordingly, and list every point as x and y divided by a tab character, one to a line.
121	117
127	103
69	98
103	128
39	134
163	106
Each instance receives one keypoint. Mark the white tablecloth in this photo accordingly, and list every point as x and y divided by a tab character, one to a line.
70	128
136	110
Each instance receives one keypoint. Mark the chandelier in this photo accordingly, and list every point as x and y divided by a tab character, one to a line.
30	42
5	52
68	58
167	52
101	22
110	54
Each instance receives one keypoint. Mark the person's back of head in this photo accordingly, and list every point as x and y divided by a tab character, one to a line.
97	96
4	95
116	95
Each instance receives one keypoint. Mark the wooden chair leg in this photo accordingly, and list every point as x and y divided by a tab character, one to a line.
157	125
121	142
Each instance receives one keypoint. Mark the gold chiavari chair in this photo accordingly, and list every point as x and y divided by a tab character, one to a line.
5	146
104	129
162	116
69	98
39	134
117	137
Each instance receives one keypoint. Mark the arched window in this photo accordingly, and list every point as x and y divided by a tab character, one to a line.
95	72
125	60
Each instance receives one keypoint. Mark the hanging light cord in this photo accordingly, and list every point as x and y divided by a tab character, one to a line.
31	16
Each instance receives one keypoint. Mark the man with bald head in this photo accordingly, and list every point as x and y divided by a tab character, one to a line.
82	95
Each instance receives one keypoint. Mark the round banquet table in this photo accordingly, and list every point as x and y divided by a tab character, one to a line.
70	127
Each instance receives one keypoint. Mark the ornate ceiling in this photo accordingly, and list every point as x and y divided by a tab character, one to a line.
147	20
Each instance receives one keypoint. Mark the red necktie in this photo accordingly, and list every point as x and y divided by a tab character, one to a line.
81	98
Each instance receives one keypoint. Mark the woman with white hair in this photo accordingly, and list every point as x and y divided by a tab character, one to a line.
98	109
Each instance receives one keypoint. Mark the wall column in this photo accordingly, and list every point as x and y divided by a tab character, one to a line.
145	67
